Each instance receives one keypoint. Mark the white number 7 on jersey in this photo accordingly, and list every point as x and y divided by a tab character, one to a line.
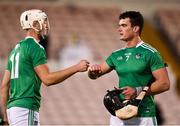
127	57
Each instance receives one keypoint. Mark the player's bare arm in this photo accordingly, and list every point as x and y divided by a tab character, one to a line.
4	89
51	78
96	71
161	83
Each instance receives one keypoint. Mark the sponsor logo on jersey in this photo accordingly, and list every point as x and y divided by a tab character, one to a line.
119	58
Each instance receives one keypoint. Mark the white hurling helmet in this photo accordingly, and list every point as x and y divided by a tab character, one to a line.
28	17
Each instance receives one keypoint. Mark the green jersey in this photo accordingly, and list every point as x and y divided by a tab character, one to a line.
24	83
134	68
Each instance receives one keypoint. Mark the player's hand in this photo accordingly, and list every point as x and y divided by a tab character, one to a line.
82	66
4	123
129	92
94	71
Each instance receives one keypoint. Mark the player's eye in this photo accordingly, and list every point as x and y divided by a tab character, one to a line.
123	25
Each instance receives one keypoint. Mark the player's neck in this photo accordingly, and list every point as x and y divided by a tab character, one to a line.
33	34
132	43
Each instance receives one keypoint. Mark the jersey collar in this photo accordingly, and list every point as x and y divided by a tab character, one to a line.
139	44
32	38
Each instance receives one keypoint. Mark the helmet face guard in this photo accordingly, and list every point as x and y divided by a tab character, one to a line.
28	18
45	27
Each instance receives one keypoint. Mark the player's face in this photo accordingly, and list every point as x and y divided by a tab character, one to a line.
45	27
125	30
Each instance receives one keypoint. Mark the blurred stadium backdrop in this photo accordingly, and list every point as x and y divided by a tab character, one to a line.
87	29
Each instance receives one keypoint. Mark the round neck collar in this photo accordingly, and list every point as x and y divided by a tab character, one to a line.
32	38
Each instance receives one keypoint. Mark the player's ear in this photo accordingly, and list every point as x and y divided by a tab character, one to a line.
136	29
36	25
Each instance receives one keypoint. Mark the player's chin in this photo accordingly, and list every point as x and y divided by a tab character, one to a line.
122	38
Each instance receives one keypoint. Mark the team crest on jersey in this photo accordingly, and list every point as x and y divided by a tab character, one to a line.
138	56
119	58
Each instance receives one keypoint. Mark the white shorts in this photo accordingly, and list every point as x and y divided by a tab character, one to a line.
18	116
138	121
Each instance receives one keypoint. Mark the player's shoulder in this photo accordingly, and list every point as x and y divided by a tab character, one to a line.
147	48
118	50
31	43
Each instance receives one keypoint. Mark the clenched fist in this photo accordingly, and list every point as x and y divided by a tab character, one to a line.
94	71
82	66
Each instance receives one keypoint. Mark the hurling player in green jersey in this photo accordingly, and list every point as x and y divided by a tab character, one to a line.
137	65
26	69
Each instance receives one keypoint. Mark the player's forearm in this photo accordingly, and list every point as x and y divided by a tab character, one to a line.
161	83
96	71
59	76
3	108
4	98
158	87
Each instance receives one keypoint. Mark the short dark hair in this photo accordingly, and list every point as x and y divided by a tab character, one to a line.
136	18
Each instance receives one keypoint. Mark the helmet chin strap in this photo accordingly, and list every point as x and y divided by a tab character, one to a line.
42	32
37	30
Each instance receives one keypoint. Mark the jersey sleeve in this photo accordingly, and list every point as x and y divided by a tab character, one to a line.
109	62
38	56
156	61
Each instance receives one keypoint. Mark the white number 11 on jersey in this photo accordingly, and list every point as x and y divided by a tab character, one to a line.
15	66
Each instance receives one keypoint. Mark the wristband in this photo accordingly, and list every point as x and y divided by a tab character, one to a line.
138	90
